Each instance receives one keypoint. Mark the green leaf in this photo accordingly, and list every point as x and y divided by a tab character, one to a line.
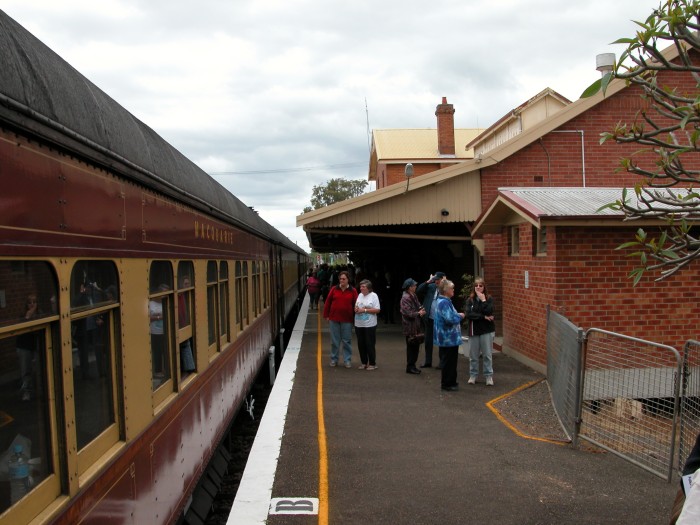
631	244
624	41
592	89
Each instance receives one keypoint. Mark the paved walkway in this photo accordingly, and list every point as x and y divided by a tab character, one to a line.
395	449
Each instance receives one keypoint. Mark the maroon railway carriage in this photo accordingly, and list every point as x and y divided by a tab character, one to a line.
138	301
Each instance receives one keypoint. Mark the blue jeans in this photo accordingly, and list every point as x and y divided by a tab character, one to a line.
341	333
481	344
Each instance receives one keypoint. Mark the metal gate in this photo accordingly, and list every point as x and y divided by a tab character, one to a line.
629	395
689	427
637	399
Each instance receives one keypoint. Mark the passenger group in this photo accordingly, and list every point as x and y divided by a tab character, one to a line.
433	321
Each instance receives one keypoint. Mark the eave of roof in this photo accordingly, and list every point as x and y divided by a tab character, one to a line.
555	206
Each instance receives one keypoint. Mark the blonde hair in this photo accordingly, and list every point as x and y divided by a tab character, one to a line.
444	285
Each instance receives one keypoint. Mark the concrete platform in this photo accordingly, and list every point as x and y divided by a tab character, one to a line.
392	448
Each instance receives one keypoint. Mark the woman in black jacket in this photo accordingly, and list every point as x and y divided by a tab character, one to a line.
482	330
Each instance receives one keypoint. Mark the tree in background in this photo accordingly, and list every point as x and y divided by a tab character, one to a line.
669	128
335	190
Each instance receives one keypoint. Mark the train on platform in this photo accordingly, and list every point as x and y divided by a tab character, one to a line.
138	301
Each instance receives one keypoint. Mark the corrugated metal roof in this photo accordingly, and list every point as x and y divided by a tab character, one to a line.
542	206
578	202
419	143
567	202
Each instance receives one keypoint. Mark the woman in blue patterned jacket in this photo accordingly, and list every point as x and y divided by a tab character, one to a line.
447	334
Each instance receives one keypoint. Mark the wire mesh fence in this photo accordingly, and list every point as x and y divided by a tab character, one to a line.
564	345
629	395
689	426
635	398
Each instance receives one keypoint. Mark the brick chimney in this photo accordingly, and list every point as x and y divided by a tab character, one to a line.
445	127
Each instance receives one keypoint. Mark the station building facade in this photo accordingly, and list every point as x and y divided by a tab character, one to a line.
502	195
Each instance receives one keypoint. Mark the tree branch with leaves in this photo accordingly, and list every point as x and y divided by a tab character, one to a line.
668	128
335	190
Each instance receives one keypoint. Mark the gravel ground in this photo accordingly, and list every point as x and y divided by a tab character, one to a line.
531	412
240	441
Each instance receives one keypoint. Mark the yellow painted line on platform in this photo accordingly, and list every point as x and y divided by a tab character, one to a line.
322	444
491	404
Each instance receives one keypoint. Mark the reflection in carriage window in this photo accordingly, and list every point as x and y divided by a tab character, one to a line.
94	311
185	314
160	315
28	315
19	278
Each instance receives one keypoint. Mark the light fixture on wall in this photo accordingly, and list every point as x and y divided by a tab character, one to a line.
408	172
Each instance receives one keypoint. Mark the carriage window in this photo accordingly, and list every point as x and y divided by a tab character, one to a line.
27	337
241	294
212	303
160	316
185	315
266	285
94	301
217	305
19	278
223	303
256	288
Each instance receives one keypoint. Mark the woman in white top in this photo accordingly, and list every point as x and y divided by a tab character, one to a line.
366	310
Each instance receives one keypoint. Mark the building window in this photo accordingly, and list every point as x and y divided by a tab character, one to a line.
161	315
539	240
514	240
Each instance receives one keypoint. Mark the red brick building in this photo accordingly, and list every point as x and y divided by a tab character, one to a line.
580	274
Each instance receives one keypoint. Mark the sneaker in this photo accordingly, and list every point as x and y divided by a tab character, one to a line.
472	380
489	381
348	365
371	367
334	363
362	367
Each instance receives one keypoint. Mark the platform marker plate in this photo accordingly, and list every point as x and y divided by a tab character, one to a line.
294	506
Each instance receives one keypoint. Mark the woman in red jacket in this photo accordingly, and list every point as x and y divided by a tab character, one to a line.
339	309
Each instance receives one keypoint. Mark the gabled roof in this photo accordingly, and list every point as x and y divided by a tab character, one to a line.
400	146
556	207
528	136
541	106
371	202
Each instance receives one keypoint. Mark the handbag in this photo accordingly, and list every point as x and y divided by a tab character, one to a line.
416	339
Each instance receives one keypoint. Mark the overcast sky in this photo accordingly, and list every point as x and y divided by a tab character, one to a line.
272	97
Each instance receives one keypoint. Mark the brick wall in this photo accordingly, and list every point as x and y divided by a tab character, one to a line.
557	160
585	278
